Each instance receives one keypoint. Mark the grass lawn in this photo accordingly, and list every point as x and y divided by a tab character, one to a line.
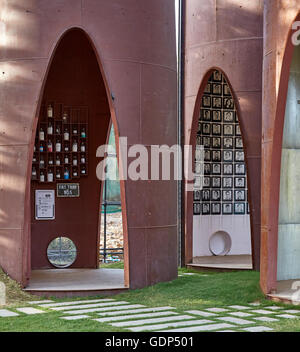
188	292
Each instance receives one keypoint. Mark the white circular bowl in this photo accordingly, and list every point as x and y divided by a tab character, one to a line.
220	243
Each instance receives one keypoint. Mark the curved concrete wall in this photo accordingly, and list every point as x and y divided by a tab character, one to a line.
135	41
278	53
227	35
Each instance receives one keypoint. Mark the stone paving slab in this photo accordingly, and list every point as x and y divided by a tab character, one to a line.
254	304
287	316
4	313
217	310
236	320
266	319
94	305
291	311
151	321
104	309
158	327
201	313
30	310
135	316
274	308
61	304
258	329
210	327
76	317
241	314
263	311
239	307
141	310
40	302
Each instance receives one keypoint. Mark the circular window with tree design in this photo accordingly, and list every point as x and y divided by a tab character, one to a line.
62	252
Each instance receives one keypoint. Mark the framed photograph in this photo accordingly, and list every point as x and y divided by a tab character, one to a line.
206	142
207	88
216	155
217	102
227	182
205	128
239	169
199	128
216	76
205	115
199	168
239	208
226	90
216	208
239	155
217	89
216	129
198	182
248	208
206	182
207	155
236	118
228	169
205	195
238	130
227	209
216	182
207	169
197	208
199	140
227	156
216	195
216	142
228	116
228	130
206	101
238	142
228	143
205	209
216	116
216	169
228	103
197	195
227	196
240	195
240	182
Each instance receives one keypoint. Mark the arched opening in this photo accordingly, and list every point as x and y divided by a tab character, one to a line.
288	251
221	235
73	121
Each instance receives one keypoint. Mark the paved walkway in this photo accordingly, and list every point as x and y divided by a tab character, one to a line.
138	317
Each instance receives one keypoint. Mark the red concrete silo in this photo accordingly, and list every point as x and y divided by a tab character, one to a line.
133	43
226	36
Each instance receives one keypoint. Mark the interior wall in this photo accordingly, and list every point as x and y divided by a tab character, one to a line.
75	79
288	265
222	204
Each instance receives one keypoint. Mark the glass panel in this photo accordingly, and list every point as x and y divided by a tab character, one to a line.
62	252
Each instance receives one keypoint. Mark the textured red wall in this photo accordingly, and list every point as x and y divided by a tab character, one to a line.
135	45
227	35
278	52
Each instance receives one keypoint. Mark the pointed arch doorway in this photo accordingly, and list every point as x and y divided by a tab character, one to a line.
73	121
221	230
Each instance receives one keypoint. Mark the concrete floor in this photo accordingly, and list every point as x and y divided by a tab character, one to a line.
76	280
227	262
287	291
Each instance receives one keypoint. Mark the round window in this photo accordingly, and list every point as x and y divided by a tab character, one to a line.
61	252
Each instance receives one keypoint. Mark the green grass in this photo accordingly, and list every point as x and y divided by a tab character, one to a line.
198	291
